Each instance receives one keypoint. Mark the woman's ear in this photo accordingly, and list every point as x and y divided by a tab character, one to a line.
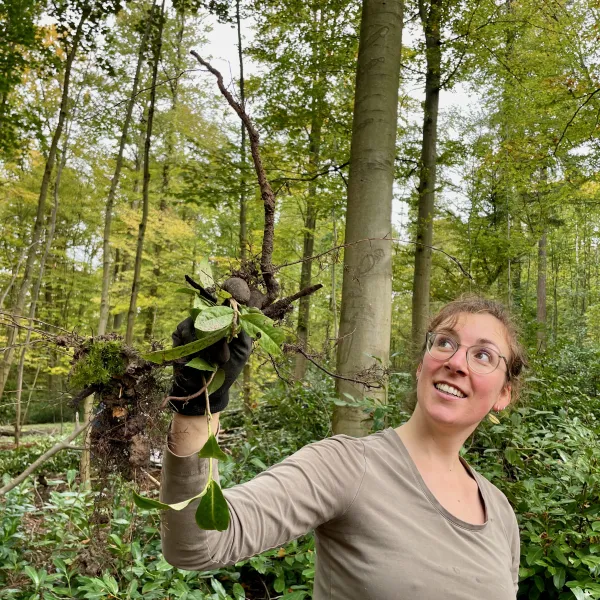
505	397
419	370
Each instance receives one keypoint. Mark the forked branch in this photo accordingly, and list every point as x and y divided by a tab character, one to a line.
266	192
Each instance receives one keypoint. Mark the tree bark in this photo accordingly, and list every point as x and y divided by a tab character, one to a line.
114	184
146	185
36	289
166	178
17	309
431	22
310	223
367	283
541	293
310	220
243	237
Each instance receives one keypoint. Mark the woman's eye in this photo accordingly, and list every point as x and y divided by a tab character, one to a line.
444	343
483	355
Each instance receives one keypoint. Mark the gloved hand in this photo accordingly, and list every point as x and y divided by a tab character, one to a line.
187	381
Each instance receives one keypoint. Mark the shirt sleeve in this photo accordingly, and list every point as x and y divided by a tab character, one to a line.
313	486
515	547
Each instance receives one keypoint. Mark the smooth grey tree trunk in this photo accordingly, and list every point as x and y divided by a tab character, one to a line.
431	22
19	305
131	315
365	319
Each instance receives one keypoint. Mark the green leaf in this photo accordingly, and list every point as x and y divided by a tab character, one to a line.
261	328
578	593
534	553
511	455
148	503
238	592
200	364
559	578
213	512
214	318
217	382
201	303
211	450
32	574
203	341
188	291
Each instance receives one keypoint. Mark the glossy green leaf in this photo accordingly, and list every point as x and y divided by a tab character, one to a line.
238	592
214	318
211	450
201	364
201	303
261	328
150	504
217	382
213	512
203	341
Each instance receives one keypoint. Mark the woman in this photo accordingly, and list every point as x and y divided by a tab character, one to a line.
398	514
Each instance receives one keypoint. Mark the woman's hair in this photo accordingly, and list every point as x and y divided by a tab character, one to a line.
450	313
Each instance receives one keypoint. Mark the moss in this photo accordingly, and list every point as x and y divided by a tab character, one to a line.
101	361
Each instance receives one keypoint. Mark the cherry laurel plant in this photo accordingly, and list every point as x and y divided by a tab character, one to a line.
213	322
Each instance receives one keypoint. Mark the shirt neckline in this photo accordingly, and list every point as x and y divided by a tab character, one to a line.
429	494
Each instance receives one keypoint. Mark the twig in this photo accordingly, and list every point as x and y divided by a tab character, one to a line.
389	239
281	305
580	107
266	191
188	398
286	381
155	481
42	459
314	362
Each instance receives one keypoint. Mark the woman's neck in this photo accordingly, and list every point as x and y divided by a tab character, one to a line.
438	448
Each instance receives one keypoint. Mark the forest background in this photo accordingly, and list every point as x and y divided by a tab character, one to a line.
122	169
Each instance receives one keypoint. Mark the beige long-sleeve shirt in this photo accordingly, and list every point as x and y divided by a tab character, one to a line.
380	532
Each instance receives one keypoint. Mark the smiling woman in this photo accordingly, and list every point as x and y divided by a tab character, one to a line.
398	514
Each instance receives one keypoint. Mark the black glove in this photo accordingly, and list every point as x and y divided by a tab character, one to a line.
187	381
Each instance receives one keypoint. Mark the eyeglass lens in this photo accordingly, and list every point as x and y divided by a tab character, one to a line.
480	358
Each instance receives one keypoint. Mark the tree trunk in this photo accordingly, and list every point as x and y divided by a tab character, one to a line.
247	377
367	283
17	309
431	21
36	290
166	177
146	185
310	220
541	293
114	184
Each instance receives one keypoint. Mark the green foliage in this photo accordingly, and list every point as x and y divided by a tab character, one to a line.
545	456
14	462
102	361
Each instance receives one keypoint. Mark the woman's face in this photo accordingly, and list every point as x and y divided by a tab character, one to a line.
473	394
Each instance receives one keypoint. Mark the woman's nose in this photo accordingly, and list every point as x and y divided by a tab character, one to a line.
458	362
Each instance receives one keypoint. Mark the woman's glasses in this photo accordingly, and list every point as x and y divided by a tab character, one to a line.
481	359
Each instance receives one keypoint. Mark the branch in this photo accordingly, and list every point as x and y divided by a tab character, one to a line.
299	350
186	399
336	248
562	135
42	459
279	308
266	192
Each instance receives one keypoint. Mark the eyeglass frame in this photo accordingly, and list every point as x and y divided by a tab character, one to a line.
434	333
